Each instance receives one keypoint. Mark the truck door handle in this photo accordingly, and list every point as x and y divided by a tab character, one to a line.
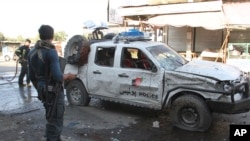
123	75
97	72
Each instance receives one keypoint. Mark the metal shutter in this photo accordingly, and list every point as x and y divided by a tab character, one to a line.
240	36
177	37
207	39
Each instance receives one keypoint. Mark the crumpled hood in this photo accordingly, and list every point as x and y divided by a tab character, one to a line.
215	70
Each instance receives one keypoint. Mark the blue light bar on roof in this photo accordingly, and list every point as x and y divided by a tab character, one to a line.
132	32
132	35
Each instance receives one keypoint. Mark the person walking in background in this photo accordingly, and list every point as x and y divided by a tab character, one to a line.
22	53
46	75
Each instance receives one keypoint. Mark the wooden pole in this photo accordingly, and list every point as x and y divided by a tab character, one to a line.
224	48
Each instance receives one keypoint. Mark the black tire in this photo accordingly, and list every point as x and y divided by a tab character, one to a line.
109	36
190	112
77	94
7	58
74	45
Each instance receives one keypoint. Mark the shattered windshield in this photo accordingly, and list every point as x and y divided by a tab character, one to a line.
168	58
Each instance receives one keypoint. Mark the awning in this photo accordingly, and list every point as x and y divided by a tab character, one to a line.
237	14
208	20
210	15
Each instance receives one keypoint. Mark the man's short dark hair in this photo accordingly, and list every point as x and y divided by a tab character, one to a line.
28	40
46	32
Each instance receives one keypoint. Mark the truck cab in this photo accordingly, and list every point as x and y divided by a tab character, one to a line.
133	70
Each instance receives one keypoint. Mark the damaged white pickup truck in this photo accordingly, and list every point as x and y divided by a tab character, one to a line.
150	74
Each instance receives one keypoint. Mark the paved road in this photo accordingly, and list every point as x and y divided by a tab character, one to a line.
9	67
9	71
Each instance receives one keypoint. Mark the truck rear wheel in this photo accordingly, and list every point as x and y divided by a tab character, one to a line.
77	94
190	112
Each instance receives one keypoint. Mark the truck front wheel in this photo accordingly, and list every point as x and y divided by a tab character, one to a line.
190	112
77	94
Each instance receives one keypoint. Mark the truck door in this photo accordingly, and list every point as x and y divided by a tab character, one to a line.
101	80
137	82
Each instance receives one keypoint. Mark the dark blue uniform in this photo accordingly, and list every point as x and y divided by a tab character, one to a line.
22	53
38	63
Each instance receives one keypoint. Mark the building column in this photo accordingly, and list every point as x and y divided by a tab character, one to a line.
165	35
189	42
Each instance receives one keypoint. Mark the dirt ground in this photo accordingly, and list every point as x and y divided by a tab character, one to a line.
30	126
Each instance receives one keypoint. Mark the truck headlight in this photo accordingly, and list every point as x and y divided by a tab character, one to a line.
228	88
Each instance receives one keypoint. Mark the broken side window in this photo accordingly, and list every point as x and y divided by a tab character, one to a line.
105	56
128	58
135	58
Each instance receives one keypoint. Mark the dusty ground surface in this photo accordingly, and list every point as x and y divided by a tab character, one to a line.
79	125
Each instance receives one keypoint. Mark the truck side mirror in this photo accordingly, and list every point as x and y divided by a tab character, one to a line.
154	68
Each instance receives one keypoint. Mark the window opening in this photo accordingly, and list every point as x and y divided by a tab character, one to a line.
135	58
105	56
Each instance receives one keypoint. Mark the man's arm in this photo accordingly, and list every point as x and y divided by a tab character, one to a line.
18	52
55	66
31	72
57	74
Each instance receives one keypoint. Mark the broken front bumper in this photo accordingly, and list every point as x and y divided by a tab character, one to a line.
234	104
240	106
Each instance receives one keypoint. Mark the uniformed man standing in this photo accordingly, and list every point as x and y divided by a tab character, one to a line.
47	76
22	53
